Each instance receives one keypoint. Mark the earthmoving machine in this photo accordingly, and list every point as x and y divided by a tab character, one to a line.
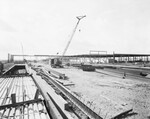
57	62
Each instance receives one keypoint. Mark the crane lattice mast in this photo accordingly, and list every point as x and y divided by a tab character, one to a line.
79	18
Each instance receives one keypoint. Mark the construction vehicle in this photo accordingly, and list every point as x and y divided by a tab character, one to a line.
57	62
87	67
66	48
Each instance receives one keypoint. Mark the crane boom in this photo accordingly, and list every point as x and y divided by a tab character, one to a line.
79	18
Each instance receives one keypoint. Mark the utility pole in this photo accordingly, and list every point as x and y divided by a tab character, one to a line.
79	18
22	51
113	57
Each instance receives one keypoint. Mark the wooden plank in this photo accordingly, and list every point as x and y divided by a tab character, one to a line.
119	116
37	94
13	98
19	104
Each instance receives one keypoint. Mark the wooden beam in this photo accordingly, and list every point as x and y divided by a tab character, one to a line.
13	98
37	94
119	116
20	104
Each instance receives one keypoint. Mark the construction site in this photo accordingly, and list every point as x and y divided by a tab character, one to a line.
97	85
78	59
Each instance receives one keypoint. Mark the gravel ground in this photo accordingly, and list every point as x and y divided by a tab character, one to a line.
109	95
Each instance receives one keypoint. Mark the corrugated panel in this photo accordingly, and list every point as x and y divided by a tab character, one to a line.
25	90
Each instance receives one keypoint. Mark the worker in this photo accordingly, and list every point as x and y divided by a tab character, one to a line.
124	75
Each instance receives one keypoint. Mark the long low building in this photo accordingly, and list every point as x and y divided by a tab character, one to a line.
119	57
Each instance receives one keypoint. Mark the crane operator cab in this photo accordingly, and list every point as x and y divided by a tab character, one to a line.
56	63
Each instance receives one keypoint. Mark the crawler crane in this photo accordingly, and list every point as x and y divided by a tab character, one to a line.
57	62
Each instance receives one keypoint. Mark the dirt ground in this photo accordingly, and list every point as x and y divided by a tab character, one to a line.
108	95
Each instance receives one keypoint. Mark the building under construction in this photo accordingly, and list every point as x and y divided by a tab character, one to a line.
97	85
113	89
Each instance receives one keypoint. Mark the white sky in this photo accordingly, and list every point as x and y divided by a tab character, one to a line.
45	26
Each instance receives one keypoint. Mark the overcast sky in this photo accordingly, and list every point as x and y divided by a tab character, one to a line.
45	26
